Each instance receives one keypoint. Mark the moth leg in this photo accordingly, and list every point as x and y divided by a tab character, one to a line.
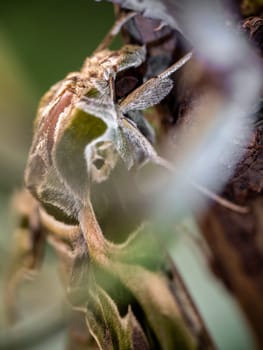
143	125
154	90
112	88
105	43
27	251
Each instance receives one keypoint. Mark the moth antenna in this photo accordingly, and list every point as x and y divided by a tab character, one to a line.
221	200
205	191
105	43
177	65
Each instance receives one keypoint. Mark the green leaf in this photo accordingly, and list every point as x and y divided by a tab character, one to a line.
149	289
112	331
152	293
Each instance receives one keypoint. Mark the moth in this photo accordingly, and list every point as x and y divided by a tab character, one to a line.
85	124
81	123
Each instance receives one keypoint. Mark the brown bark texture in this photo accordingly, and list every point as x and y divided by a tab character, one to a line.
235	240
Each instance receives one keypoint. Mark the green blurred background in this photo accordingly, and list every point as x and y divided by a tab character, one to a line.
40	42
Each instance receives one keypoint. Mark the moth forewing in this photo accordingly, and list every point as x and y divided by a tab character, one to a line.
52	105
154	90
149	94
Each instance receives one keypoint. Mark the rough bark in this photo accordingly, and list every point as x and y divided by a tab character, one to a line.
235	240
